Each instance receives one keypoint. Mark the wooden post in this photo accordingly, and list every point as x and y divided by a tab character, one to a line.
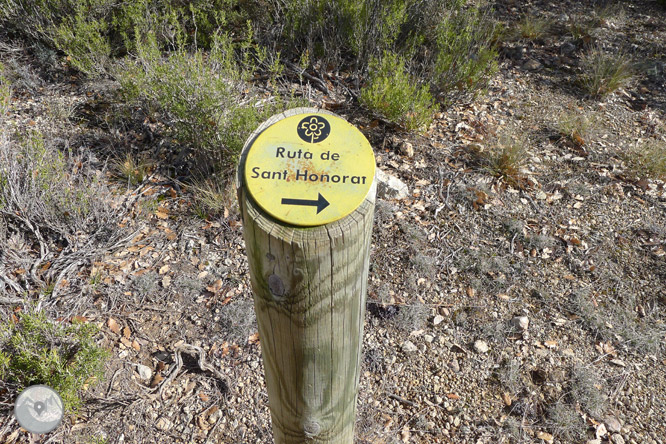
309	285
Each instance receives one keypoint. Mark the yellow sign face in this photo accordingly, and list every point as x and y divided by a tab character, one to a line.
310	169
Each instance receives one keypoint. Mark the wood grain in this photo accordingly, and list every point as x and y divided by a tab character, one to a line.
309	289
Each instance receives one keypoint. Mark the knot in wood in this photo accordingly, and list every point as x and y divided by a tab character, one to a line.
311	428
276	286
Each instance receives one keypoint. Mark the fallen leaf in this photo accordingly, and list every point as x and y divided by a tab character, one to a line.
204	397
157	378
506	398
254	338
163	269
166	281
135	345
127	332
113	326
453	396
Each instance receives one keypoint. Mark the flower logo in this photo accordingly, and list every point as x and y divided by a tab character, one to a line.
313	129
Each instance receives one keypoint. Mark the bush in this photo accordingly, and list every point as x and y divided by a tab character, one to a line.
36	350
5	93
201	98
48	189
464	55
395	94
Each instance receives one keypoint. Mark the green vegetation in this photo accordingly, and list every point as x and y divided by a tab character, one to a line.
604	73
64	356
43	184
396	95
506	160
533	28
202	98
575	126
192	62
5	92
647	159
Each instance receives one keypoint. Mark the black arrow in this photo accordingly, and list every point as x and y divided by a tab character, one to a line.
320	203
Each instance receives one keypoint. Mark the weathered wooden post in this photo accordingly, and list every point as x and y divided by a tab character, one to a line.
307	195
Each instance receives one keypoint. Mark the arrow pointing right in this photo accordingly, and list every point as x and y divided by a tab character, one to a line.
320	203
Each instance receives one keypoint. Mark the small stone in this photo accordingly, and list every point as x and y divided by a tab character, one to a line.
390	187
409	347
429	338
521	322
532	65
593	441
545	437
163	423
455	366
617	439
144	371
438	320
563	17
567	48
613	424
481	346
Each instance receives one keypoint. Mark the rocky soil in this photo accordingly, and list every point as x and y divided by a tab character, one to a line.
517	309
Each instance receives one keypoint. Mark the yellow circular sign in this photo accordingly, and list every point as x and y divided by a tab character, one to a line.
310	169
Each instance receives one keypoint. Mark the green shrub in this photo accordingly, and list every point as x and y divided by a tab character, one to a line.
395	94
201	98
452	43
36	350
603	73
576	126
5	93
465	54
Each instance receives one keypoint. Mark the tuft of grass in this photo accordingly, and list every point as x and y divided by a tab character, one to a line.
411	317
131	170
587	389
396	95
647	159
575	126
506	160
565	423
604	73
237	320
533	28
213	198
37	350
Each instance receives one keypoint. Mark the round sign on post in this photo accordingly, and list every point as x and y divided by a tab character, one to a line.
310	169
306	193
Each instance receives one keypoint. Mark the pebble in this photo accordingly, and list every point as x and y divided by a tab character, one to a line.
144	371
521	322
617	439
532	65
481	346
409	347
455	366
163	423
438	320
613	424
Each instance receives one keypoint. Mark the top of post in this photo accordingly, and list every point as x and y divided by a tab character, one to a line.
309	168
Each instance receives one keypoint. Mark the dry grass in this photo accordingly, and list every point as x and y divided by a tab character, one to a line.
605	72
507	159
647	159
533	28
131	170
